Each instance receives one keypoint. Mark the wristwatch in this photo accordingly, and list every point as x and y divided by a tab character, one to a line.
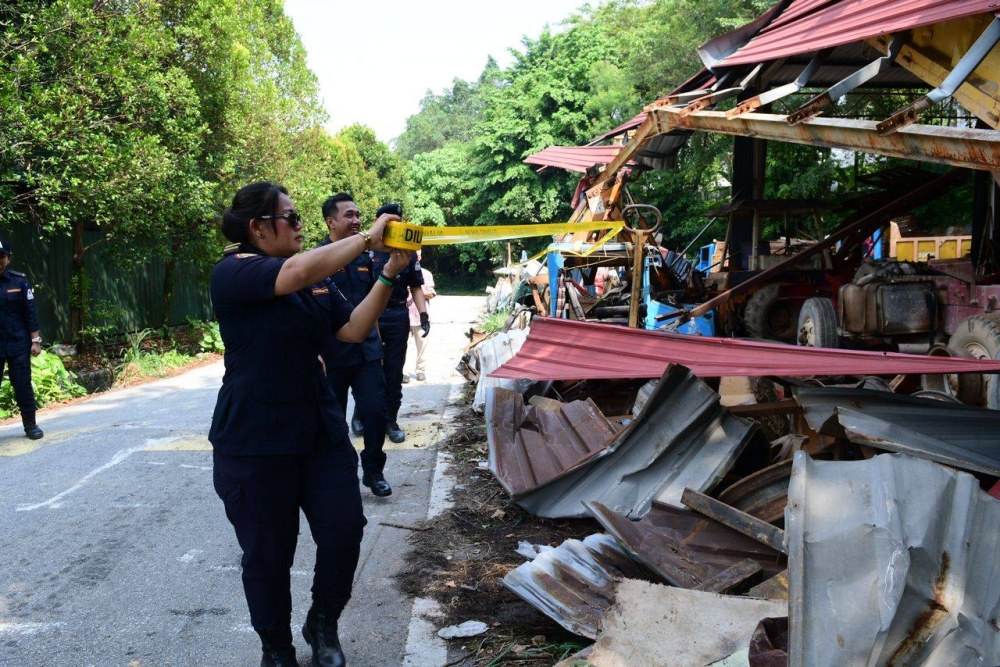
37	339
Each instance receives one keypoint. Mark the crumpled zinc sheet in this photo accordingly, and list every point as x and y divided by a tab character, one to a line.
892	560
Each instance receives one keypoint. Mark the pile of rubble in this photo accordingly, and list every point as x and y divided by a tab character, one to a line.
751	517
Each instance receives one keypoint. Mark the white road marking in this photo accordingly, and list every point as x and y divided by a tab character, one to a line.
185	465
122	455
25	629
423	646
190	556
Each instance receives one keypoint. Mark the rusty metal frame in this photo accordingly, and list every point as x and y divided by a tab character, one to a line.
717	96
815	106
781	91
957	147
965	67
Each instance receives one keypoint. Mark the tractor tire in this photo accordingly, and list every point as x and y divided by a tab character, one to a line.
769	318
818	324
977	337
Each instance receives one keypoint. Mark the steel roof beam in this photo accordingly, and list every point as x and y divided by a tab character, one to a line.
781	91
969	62
957	147
815	106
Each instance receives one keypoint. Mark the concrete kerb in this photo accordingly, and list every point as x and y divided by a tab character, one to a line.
423	646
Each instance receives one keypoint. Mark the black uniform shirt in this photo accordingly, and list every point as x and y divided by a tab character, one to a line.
274	395
409	277
354	281
17	314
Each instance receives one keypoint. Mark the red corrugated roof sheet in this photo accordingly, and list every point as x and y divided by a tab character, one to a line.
810	25
574	158
559	349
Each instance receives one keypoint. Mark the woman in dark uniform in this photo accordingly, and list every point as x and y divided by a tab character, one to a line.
279	437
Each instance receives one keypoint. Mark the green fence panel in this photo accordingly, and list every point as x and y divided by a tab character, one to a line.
133	298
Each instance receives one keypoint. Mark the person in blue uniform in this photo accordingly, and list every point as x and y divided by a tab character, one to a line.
279	438
394	326
19	337
357	366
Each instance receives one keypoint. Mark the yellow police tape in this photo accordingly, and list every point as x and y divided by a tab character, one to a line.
406	236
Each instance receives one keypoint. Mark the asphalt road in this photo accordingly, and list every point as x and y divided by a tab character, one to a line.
115	550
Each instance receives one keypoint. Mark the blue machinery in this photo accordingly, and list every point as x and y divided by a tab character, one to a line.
699	326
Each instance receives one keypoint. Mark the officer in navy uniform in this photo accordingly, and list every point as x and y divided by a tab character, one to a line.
279	438
357	366
394	325
19	337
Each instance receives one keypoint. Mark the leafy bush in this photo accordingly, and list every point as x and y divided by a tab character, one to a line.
496	321
51	381
211	337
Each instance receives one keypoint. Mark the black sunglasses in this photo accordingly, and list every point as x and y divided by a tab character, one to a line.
294	219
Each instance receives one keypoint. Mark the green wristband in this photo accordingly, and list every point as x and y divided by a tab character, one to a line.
386	281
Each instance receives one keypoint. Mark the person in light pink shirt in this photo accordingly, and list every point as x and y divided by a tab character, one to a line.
416	331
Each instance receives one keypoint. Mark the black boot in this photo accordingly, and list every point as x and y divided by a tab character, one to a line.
357	428
394	433
30	427
276	644
376	482
320	631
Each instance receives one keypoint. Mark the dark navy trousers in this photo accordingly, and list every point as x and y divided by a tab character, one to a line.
262	496
20	376
394	326
368	384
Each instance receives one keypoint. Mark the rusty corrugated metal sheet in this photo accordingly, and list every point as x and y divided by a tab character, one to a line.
961	436
810	25
682	438
683	547
532	445
892	561
574	583
574	158
558	349
763	494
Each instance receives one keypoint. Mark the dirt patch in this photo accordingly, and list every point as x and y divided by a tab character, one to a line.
461	557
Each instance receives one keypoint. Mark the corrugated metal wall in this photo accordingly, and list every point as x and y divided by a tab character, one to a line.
134	298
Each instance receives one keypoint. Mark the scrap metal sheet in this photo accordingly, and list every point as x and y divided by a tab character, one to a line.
892	561
961	436
491	354
533	444
683	438
652	624
683	547
558	349
574	583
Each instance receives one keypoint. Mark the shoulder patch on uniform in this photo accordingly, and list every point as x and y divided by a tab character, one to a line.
244	255
317	291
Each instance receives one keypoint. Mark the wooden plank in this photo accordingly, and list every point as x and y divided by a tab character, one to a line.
739	521
734	579
775	588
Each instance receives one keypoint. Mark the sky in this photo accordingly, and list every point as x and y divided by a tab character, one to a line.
376	59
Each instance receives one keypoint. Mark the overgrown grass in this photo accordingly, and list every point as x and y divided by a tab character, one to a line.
139	363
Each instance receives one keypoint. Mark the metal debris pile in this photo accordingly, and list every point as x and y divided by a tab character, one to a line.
768	521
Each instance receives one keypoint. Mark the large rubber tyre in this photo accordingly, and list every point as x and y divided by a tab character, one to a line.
818	324
769	318
977	337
